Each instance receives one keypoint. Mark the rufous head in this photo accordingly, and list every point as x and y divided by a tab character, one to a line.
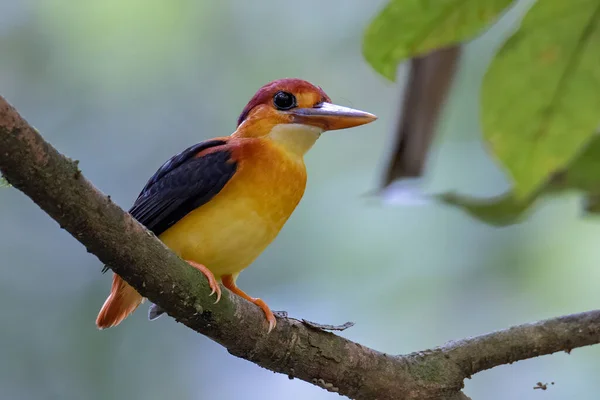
289	109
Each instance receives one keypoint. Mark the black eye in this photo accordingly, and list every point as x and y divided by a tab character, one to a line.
284	100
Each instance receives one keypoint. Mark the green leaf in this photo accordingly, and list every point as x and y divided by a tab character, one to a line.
498	211
541	95
584	172
582	175
409	28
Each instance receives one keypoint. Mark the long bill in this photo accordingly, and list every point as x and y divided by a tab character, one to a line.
331	116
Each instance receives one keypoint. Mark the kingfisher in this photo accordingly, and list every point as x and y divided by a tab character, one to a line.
219	203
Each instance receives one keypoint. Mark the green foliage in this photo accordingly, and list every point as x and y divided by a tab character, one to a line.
498	211
409	28
540	97
582	175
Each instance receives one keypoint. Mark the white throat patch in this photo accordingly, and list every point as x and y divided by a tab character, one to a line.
296	138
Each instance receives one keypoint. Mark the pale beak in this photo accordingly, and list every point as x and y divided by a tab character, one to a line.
331	117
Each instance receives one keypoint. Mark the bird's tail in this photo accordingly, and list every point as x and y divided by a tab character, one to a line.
121	302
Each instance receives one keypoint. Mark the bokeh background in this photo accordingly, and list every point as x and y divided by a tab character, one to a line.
123	85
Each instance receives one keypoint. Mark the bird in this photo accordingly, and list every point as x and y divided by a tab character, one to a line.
219	203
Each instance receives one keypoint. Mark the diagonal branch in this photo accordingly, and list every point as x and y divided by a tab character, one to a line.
55	183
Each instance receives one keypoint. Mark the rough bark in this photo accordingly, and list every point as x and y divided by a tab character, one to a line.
296	349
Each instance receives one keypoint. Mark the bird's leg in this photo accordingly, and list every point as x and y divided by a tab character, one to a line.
212	281
229	283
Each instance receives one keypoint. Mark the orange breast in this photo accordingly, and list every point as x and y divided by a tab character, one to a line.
231	230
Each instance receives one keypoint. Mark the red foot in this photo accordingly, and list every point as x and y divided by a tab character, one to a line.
229	283
212	281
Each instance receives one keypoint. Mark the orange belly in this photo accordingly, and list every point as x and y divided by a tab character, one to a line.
229	232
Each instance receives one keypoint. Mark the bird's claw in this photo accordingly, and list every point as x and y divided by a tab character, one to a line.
268	313
272	322
212	281
217	290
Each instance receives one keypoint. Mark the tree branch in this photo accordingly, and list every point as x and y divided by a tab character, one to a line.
428	84
55	183
525	341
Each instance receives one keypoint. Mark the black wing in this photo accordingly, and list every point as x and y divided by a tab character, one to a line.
182	184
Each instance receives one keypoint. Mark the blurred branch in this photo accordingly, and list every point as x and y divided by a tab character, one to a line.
428	84
525	341
55	183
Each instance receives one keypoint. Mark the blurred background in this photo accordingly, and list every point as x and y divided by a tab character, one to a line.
123	85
